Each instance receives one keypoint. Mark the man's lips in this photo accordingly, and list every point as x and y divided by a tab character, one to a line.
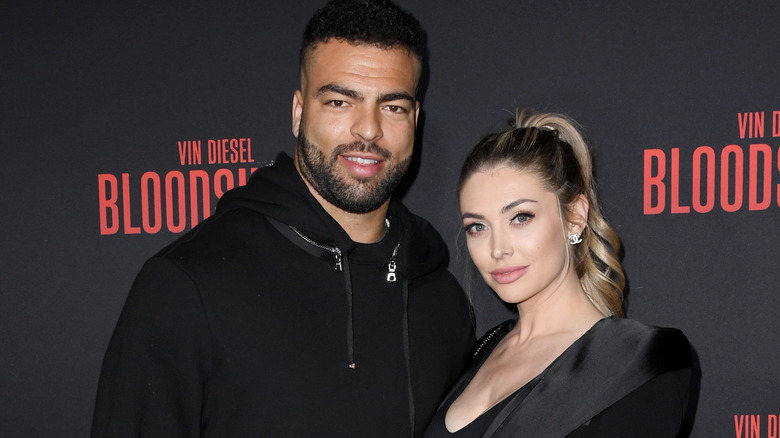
362	166
508	274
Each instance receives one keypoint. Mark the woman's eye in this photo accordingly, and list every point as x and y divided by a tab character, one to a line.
475	228
522	218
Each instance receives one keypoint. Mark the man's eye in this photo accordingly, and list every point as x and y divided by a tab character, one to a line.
396	109
337	103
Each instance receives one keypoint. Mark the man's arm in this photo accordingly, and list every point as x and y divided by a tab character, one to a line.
152	380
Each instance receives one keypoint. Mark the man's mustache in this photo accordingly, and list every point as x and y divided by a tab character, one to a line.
362	146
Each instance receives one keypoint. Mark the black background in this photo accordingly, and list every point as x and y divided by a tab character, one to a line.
89	88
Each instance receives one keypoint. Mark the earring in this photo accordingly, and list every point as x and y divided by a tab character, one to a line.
574	239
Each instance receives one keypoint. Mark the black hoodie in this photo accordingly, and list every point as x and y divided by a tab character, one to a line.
266	320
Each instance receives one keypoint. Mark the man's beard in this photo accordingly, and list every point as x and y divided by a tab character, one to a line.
349	193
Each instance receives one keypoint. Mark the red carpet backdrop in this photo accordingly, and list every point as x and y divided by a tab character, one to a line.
123	123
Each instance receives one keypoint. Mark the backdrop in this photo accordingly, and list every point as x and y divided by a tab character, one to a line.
123	122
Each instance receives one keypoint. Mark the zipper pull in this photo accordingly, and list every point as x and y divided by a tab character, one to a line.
391	271
391	266
338	261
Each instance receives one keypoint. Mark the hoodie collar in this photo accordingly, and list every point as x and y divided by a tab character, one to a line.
278	191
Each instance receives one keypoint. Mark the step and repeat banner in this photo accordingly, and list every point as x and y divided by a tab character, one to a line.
123	123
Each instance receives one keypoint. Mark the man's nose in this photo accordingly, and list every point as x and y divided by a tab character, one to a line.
367	124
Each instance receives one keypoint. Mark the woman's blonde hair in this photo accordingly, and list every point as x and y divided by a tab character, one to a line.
553	147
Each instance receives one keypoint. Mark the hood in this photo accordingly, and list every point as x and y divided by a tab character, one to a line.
278	191
423	250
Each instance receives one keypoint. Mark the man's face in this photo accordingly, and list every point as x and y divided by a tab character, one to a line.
355	117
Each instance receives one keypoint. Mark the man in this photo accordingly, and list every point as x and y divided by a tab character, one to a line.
310	303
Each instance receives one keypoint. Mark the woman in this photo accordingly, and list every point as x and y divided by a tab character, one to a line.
569	366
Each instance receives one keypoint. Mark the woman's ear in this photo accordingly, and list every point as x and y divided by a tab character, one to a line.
578	214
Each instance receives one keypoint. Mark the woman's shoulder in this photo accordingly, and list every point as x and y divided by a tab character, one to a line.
663	345
637	330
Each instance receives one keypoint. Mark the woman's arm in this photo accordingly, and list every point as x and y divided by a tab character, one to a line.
654	410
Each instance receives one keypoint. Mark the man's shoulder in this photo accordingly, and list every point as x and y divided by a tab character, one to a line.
226	231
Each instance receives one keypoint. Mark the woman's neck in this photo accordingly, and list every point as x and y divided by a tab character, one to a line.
563	308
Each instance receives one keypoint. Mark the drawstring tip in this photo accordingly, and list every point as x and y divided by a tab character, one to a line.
352	365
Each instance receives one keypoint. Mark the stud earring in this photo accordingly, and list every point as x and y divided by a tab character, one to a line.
574	239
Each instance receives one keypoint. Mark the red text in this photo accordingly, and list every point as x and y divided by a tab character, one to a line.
196	189
732	178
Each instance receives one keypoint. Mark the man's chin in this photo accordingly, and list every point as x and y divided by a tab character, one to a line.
349	179
358	198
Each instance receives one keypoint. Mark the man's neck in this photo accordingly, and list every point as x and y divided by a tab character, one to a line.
361	228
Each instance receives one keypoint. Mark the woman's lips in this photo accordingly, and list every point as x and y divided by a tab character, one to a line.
508	274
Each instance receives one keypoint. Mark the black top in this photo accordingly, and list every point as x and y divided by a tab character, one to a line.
621	378
378	308
246	326
476	428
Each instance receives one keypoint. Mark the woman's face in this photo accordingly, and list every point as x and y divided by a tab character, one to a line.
515	234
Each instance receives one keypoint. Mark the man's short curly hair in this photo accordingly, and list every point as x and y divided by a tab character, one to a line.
376	22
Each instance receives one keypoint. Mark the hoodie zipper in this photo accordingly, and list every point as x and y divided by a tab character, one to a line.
336	251
392	265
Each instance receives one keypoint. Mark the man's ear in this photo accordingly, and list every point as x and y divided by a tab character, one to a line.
297	112
416	111
578	214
